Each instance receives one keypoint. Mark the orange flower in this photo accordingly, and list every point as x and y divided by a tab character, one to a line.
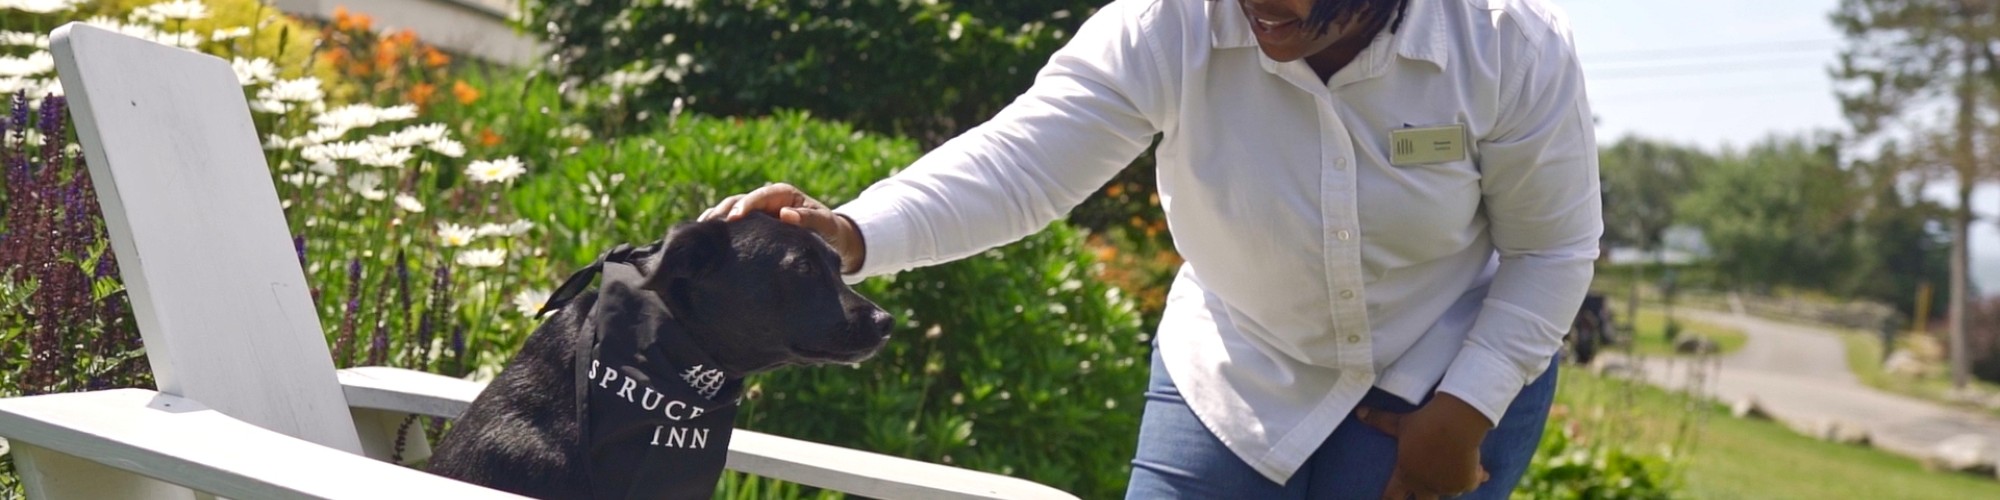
1115	190
341	20
335	56
488	138
421	93
466	94
1107	253
385	57
363	22
435	58
360	68
407	37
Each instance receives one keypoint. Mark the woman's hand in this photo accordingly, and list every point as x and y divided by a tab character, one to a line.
1437	448
794	207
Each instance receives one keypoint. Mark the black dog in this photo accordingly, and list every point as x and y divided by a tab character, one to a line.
644	372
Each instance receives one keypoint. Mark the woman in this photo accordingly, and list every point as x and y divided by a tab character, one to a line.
1386	207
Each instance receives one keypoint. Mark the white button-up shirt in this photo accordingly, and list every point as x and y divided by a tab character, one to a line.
1316	269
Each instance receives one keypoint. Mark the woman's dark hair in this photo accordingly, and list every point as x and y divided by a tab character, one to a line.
1378	14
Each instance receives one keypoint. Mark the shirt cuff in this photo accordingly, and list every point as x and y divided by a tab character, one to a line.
885	236
1486	380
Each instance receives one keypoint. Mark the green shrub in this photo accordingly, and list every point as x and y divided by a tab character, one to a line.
1566	468
1015	362
924	69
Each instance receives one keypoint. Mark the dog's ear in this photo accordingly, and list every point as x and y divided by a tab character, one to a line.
692	249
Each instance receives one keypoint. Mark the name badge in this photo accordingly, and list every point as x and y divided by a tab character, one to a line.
1427	145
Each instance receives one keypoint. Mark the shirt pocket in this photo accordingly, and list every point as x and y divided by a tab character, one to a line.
1413	214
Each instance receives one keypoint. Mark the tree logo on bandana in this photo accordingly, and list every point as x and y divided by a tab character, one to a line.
707	382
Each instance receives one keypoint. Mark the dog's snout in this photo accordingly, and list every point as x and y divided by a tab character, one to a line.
882	321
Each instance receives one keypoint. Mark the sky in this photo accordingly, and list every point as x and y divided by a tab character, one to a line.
1726	73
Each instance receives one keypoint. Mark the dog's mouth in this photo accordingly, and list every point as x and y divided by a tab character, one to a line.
855	355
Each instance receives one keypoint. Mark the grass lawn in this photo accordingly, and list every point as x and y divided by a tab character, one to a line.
1731	458
1864	357
1652	337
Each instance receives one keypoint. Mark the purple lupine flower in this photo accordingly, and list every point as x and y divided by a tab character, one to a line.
20	117
458	341
378	346
19	186
54	130
343	350
435	313
403	284
299	245
423	343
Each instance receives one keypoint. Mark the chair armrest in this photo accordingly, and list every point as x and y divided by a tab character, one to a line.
871	475
183	442
407	391
852	471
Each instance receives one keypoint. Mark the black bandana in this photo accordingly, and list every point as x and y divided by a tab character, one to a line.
655	412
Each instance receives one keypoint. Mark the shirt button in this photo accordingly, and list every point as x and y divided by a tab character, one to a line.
1347	294
1353	339
1344	235
1340	164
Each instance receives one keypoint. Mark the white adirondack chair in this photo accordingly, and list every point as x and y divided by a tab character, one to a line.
249	404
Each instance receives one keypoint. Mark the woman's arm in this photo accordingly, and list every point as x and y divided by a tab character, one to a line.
1093	108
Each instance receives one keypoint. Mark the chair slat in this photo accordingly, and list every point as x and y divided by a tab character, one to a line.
202	243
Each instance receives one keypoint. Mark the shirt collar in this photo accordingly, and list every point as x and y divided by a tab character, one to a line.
1421	37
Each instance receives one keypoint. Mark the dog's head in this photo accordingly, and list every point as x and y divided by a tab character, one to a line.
758	294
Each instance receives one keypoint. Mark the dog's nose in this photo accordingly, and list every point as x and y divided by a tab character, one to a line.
882	321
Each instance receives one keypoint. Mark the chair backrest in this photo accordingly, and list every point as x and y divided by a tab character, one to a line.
201	241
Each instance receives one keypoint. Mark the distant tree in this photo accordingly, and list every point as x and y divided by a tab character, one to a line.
1642	178
1782	212
1906	60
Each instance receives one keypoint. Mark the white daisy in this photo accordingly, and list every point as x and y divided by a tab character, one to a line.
519	227
363	115
490	229
184	10
302	90
388	158
39	6
184	39
254	71
530	301
304	179
51	86
483	258
227	34
269	106
574	132
323	135
325	168
515	228
23	39
342	151
454	235
368	184
448	147
32	139
409	203
419	134
501	170
34	64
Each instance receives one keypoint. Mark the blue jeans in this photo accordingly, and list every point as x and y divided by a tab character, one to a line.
1179	458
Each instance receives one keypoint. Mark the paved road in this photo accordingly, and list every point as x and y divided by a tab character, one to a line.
1798	374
